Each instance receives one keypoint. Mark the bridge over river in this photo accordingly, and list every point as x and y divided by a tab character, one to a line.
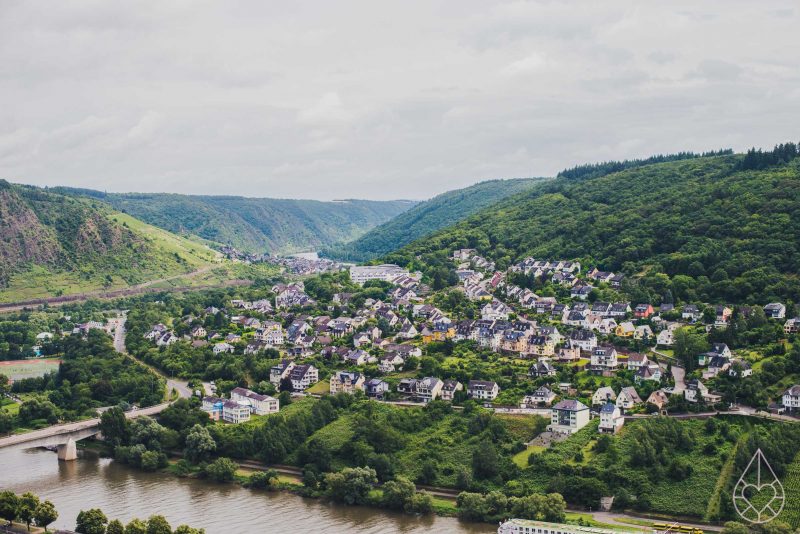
63	437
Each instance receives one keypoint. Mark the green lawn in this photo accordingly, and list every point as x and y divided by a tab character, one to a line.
9	406
587	519
631	521
588	454
521	458
320	388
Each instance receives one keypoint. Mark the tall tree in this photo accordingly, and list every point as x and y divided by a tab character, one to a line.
44	514
157	524
9	505
27	507
136	526
114	426
91	521
115	527
199	444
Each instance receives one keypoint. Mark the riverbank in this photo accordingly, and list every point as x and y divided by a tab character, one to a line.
289	480
124	493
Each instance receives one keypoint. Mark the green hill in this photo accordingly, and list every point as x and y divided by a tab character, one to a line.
717	228
52	244
255	224
428	217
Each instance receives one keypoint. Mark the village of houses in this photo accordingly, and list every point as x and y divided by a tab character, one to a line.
513	322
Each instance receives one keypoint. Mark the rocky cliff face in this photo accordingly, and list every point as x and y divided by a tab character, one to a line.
38	227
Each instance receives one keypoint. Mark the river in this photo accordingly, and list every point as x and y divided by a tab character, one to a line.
124	493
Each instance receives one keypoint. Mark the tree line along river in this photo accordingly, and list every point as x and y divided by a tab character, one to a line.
124	493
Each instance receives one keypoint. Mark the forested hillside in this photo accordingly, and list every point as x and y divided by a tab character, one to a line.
717	228
255	224
428	217
55	244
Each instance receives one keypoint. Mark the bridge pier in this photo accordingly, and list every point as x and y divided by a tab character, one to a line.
68	451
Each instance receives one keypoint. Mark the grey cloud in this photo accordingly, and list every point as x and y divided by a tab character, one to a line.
718	70
367	99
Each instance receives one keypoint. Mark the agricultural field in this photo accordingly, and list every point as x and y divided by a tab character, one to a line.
791	485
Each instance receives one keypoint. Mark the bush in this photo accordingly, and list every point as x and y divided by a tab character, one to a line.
398	493
262	479
151	460
350	485
221	470
420	503
182	468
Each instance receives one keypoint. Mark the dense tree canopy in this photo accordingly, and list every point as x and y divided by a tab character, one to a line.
712	228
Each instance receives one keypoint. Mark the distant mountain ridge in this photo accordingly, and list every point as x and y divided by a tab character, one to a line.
254	224
427	217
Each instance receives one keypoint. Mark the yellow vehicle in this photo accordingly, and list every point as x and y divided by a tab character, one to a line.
676	527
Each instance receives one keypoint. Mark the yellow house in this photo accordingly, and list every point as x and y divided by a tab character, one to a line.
541	346
439	333
514	343
625	329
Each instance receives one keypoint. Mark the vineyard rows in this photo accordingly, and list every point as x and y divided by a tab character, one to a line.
791	485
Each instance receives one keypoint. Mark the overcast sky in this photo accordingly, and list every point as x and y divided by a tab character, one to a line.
378	99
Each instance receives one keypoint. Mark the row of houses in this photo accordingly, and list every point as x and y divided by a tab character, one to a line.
291	295
571	415
361	274
418	389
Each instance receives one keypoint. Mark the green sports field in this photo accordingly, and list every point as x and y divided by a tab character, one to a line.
18	369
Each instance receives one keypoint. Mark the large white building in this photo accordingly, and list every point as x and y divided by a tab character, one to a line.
604	356
346	382
569	416
611	419
228	410
360	274
238	408
304	376
791	399
483	389
259	404
527	526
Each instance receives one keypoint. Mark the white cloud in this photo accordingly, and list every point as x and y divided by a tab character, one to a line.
364	99
328	109
146	127
526	65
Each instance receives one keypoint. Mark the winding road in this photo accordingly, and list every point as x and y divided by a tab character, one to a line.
180	386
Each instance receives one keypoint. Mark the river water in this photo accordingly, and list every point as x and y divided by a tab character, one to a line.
124	493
